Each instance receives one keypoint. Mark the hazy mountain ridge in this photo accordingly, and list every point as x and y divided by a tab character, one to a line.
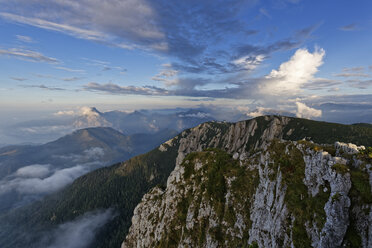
28	172
129	123
122	186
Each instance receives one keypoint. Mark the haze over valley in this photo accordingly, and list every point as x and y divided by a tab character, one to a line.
228	123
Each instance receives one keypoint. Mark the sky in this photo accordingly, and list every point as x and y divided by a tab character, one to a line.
290	55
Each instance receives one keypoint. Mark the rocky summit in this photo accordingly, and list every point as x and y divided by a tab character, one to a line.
271	181
252	184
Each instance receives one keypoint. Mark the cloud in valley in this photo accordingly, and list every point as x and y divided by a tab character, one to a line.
80	232
36	170
36	183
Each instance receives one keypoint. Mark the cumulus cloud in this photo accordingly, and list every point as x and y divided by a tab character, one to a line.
304	111
28	55
81	232
289	80
260	111
293	74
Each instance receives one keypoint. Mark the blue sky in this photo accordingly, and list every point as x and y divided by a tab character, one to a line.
290	55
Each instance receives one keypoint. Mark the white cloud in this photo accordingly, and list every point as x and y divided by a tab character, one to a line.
260	111
293	74
75	31
36	185
195	115
28	55
80	233
24	38
167	75
307	112
69	69
119	23
82	111
36	170
249	62
65	113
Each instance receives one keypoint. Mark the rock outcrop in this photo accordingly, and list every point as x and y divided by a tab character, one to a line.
236	185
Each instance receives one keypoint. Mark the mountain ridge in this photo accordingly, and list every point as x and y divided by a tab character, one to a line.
240	140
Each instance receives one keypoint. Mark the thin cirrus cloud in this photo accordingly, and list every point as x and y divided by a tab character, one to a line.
350	74
349	27
69	69
360	84
190	35
28	55
321	84
20	79
44	87
70	79
78	32
24	38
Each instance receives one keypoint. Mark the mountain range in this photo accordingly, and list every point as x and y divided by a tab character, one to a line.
270	181
63	122
30	171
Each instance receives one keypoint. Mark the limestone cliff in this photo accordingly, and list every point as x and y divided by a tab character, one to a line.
243	185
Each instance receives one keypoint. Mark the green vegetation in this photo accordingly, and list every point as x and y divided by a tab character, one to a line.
366	154
328	133
341	168
211	184
360	186
120	186
303	206
253	245
336	197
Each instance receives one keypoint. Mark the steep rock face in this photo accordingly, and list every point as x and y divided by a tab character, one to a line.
286	194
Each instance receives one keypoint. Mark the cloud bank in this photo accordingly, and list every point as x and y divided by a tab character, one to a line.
81	232
33	179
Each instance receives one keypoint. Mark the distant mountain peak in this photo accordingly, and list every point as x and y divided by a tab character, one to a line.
91	117
89	111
